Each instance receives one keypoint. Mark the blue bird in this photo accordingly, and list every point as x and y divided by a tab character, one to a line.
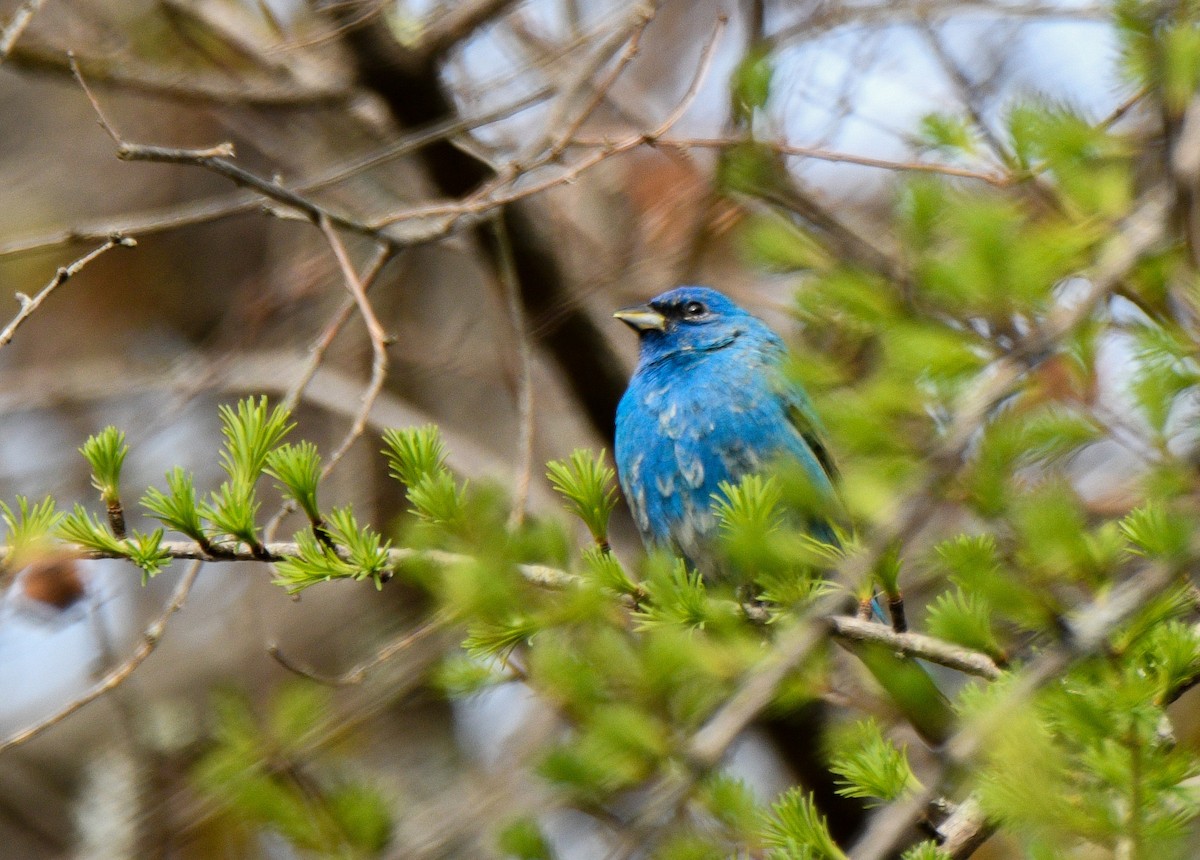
708	403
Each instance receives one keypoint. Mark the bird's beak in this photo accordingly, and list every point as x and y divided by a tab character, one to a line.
642	318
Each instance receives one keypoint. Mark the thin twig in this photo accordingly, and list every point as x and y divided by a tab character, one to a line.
316	353
217	160
132	73
324	341
997	180
516	318
151	636
16	25
641	18
64	274
189	214
313	363
490	196
441	219
357	673
830	16
375	332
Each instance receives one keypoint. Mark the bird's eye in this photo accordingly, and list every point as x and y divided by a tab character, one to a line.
694	309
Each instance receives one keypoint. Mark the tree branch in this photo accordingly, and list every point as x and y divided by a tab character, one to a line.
64	274
917	645
16	26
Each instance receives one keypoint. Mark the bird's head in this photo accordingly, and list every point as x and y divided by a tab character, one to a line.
688	320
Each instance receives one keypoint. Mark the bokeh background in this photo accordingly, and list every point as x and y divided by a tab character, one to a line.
395	114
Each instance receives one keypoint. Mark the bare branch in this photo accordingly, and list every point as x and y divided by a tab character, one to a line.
378	337
16	25
137	76
64	274
965	829
829	16
641	18
216	159
357	673
917	645
446	216
200	212
516	317
996	180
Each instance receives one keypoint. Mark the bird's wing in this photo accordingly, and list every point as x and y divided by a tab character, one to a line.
804	418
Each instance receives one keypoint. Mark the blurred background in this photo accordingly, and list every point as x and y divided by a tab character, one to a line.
531	166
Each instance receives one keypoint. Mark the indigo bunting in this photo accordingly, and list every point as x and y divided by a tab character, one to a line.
708	403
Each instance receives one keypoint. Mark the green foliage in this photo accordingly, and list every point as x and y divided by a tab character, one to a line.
522	839
250	433
363	814
259	773
367	551
1169	655
1049	435
1157	532
349	552
588	485
773	243
233	512
1166	367
1160	48
498	639
616	747
1088	164
751	83
462	675
440	500
1087	761
635	656
298	468
177	508
925	851
948	132
678	597
105	452
794	830
982	254
966	618
732	802
887	571
144	550
29	527
751	168
606	570
414	452
870	766
749	512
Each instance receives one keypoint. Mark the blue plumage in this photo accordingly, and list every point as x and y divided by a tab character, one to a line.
708	403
